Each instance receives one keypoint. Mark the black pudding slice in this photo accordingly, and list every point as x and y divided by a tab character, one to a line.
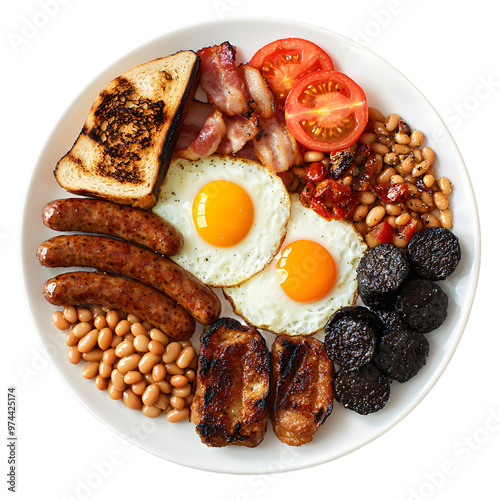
350	342
402	353
381	272
359	312
422	305
434	253
391	320
364	390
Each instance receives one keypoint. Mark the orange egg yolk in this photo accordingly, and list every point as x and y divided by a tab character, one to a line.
223	213
306	270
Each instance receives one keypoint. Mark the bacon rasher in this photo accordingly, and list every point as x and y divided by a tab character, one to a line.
194	120
245	113
221	80
202	131
275	147
263	100
239	130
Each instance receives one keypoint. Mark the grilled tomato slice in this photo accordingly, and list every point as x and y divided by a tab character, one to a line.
283	62
326	111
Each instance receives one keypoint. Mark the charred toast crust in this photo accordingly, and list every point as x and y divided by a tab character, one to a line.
302	381
232	386
175	128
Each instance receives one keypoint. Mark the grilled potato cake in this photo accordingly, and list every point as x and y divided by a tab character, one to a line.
303	396
232	385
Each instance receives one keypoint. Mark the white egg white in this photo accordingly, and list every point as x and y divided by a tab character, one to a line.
225	266
262	302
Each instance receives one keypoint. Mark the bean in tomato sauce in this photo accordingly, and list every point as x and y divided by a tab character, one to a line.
391	167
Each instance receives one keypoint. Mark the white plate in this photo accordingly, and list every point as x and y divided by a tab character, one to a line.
344	431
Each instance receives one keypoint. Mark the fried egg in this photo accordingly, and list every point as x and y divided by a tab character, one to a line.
232	213
313	274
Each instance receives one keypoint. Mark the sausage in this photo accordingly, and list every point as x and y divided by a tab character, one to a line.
124	294
105	217
120	257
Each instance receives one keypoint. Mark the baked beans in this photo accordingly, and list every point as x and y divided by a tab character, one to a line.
137	329
178	415
70	339
444	185
131	399
84	315
94	354
398	155
159	372
313	156
105	369
163	400
171	353
88	342
122	327
100	322
392	121
114	393
416	139
153	411
156	347
445	218
185	357
139	387
151	394
81	329
90	370
101	383
130	359
70	314
375	215
74	355
177	402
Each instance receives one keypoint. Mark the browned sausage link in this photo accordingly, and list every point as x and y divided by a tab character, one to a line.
127	259
127	295
105	217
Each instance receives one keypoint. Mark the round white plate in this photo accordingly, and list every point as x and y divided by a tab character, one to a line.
344	431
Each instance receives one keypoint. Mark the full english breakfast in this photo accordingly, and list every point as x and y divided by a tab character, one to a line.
322	222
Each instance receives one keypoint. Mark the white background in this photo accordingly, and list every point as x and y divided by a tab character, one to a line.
448	447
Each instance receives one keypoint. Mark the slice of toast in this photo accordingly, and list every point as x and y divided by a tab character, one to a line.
123	150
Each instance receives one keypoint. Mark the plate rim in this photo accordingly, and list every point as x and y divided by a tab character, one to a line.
210	25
